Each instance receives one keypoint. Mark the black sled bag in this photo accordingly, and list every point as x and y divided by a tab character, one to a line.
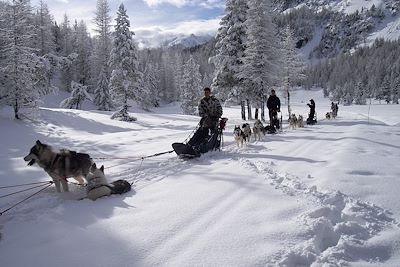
120	187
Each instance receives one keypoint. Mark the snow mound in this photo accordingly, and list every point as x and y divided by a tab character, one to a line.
341	231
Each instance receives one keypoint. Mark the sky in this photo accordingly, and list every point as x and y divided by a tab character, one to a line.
323	195
152	20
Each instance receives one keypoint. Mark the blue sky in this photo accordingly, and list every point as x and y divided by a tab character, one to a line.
151	20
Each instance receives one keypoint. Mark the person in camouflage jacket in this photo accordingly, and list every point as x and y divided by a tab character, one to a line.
210	110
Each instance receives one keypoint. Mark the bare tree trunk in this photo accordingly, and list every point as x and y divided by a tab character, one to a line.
263	109
288	103
243	107
16	110
249	109
256	114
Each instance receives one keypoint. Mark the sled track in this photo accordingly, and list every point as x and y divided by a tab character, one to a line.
339	232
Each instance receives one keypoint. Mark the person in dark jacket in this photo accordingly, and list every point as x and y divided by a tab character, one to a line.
274	106
312	110
210	111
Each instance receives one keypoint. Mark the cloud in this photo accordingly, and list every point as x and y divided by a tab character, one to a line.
177	3
154	36
181	3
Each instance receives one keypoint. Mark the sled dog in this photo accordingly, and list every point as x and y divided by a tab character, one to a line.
300	122
238	135
292	121
97	185
258	129
246	132
61	164
329	115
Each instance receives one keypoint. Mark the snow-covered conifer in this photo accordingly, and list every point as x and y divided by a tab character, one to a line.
102	49
125	75
18	70
261	60
78	95
102	94
44	39
230	46
191	86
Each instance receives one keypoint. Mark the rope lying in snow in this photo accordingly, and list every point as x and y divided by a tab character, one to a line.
10	186
17	192
37	192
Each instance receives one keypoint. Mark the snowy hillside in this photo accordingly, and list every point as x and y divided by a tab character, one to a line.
323	195
186	41
325	28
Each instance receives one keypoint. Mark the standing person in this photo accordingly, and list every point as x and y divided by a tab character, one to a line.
274	106
210	111
310	119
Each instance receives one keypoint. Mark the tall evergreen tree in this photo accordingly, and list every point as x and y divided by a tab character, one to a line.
66	41
125	75
102	94
102	21
44	38
261	59
18	71
230	47
191	85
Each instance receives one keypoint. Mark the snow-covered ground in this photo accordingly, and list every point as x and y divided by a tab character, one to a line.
323	195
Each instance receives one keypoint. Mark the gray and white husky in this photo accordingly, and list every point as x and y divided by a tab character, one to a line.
61	164
258	130
98	185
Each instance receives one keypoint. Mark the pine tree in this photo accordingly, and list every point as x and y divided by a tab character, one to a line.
44	38
102	94
18	70
360	95
125	76
82	47
293	64
66	42
78	95
259	71
151	84
191	85
230	47
102	49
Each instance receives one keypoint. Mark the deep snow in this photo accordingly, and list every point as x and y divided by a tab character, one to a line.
323	195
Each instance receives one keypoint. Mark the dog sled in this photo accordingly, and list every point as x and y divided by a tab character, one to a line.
312	120
201	142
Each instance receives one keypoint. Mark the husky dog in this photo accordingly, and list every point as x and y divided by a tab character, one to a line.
238	134
258	129
97	183
292	121
329	115
246	132
60	165
300	122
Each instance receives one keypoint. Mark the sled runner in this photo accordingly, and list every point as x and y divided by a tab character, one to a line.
201	142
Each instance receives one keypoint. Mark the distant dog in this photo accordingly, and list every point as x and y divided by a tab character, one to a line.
97	185
247	132
61	164
300	122
329	115
258	129
292	121
238	135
